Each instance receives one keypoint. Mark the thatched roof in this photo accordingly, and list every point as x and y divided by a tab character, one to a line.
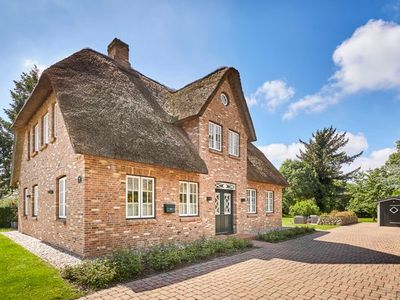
260	169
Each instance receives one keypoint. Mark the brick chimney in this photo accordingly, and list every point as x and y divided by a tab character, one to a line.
119	51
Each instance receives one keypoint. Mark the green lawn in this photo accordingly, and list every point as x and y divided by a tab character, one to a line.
366	220
288	222
25	276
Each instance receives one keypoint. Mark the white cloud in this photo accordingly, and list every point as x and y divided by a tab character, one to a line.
356	144
271	94
368	61
376	159
277	153
29	63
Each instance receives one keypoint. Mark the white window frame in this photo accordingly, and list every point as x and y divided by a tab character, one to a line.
26	202
46	131
55	120
62	197
251	197
187	195
141	180
35	194
269	201
36	137
214	136
234	143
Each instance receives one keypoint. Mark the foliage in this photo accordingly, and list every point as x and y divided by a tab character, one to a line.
8	211
302	182
21	92
289	222
373	185
92	274
284	234
338	218
126	264
25	276
325	156
304	208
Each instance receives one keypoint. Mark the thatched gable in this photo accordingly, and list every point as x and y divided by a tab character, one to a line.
260	169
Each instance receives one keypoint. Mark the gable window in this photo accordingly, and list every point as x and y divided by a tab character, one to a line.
62	197
139	197
188	198
45	129
233	143
35	210
269	205
224	99
26	201
251	201
214	136
36	138
54	121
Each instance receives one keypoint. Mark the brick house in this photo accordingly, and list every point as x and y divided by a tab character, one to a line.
105	157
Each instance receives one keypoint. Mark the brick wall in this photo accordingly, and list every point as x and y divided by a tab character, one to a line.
43	168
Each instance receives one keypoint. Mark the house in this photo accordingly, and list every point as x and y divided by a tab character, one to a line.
389	212
106	157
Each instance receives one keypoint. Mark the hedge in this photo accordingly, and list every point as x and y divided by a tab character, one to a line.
338	218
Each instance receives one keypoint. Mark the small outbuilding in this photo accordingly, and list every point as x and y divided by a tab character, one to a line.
389	212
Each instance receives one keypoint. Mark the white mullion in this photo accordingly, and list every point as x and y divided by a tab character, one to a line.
140	198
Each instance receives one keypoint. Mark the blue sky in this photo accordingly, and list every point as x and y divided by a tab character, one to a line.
304	65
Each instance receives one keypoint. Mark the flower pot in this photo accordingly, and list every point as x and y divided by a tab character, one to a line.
300	220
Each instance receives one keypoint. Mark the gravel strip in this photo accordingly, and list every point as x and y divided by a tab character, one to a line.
55	257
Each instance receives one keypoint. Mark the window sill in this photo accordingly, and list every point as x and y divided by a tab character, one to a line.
219	152
34	153
62	220
269	213
44	146
53	139
252	215
234	156
34	218
141	221
189	218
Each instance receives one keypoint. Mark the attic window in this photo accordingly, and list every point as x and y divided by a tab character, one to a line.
224	99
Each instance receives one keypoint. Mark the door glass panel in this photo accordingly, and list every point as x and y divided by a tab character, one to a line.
217	204
227	204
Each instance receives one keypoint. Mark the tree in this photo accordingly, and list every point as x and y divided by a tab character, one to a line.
301	181
21	92
325	156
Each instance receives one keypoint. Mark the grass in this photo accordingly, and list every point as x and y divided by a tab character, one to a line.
5	229
25	276
288	222
276	236
366	220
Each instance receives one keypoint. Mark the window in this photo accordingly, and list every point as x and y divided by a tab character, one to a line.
139	197
224	99
233	143
45	128
269	205
62	197
26	201
29	145
188	198
251	201
35	200
54	120
36	138
214	136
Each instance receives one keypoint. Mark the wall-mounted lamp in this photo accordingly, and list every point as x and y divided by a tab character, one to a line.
80	179
243	199
28	196
50	191
209	199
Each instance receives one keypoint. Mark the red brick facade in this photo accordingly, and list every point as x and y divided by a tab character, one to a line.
96	219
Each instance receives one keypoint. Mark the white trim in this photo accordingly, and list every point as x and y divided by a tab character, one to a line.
36	137
35	200
224	99
251	197
55	119
214	136
187	198
234	145
46	131
269	201
62	197
140	184
26	202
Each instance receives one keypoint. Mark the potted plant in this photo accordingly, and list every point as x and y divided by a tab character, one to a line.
301	210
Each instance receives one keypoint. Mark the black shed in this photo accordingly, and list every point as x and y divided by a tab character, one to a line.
389	212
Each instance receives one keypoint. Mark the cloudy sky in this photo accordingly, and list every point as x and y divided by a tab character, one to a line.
304	65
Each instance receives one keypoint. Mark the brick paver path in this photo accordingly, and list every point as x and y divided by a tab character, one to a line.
350	262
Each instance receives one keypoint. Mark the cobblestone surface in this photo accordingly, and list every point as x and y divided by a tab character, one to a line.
351	262
56	257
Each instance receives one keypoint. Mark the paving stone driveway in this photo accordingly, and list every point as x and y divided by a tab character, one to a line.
352	262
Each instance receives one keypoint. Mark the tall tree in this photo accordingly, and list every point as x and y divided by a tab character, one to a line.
19	94
324	154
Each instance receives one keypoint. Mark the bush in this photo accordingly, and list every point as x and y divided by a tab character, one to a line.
338	218
284	234
127	263
163	258
8	211
304	208
93	274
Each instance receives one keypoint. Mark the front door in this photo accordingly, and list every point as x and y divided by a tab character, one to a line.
223	212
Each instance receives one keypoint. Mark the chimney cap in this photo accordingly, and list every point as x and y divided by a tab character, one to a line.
115	42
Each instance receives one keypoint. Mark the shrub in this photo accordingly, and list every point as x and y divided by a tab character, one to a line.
93	274
275	236
163	258
304	208
8	211
127	263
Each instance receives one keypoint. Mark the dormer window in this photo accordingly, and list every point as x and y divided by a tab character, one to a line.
224	99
